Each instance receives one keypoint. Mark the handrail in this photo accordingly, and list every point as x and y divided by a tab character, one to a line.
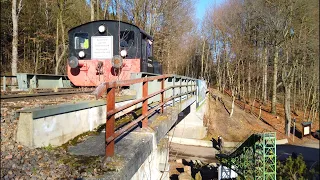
110	87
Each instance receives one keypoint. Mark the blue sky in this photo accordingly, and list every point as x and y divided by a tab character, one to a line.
201	6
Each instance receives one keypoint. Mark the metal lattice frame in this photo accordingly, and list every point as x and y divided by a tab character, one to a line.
255	158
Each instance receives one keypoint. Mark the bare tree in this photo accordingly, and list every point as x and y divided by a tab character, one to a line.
92	9
61	5
15	19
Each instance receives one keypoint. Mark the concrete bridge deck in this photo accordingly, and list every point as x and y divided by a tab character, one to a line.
140	149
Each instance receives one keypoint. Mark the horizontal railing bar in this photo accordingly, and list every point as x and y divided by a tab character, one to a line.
128	126
134	81
176	96
182	85
110	113
132	123
135	102
104	86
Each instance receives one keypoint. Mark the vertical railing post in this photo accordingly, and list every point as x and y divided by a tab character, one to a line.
4	83
187	80
194	87
110	121
145	104
162	95
180	90
173	92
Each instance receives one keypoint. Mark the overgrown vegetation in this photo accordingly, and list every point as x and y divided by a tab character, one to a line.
296	168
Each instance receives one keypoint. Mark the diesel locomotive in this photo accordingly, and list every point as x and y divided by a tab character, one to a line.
108	50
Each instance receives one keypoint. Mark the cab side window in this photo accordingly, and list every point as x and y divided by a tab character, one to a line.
126	38
81	41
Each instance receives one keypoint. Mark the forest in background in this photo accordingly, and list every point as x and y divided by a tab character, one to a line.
258	49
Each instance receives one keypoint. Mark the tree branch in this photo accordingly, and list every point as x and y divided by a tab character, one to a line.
19	7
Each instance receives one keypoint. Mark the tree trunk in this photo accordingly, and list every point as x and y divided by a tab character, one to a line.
106	12
24	51
274	81
306	105
265	76
232	105
287	110
315	112
92	10
37	57
238	81
98	9
249	81
57	45
294	95
64	49
259	116
202	58
243	80
219	72
15	19
206	69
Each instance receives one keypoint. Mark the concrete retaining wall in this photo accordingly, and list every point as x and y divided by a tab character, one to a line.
191	126
55	125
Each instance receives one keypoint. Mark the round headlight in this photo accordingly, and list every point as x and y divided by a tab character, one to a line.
102	29
81	54
123	53
73	62
117	61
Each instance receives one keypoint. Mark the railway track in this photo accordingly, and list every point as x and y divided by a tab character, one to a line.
41	93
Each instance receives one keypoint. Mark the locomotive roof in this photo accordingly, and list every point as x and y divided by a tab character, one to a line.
141	31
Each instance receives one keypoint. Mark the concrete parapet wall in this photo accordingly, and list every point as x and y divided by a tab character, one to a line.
55	125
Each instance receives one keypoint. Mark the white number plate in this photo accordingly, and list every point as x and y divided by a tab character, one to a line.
101	47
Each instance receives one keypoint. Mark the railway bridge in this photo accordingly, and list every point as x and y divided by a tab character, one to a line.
132	146
138	147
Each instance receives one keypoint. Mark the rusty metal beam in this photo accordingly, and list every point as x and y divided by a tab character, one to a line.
162	95
110	121
145	104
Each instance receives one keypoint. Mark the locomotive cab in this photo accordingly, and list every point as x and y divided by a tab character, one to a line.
108	50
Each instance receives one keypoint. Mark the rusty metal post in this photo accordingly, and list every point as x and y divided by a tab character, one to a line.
110	121
162	94
145	104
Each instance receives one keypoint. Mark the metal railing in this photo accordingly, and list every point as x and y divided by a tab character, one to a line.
110	89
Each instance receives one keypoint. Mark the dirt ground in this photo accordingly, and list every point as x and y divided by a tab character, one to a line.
243	123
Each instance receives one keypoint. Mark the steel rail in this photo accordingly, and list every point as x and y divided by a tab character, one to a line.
45	90
24	96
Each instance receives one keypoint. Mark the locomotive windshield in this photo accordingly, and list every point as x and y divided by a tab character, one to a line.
126	38
81	41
